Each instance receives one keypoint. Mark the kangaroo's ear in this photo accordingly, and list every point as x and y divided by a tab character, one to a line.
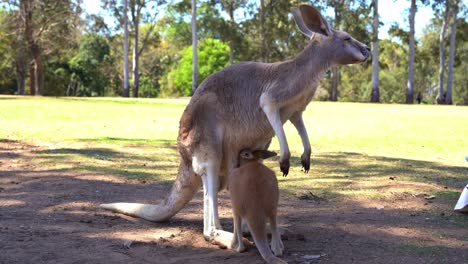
264	154
246	154
310	21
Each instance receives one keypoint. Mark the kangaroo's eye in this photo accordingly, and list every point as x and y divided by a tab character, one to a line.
347	38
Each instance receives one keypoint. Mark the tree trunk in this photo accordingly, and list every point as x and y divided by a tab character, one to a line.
334	86
443	29
36	79
38	70
32	79
126	92
194	47
453	33
20	74
231	37
337	8
262	32
410	85
136	57
375	96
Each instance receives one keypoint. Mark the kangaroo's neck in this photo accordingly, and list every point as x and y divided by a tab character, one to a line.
313	61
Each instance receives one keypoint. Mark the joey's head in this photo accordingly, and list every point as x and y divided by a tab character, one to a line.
337	47
247	155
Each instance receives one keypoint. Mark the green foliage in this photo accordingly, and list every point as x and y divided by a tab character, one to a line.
7	70
213	55
86	65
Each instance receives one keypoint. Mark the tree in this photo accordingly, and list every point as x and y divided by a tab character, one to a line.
13	50
443	29
88	78
194	47
375	95
410	84
137	15
126	92
44	31
230	6
453	32
213	56
265	53
339	7
36	73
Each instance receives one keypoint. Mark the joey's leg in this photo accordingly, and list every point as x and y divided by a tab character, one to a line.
276	243
272	112
237	241
298	122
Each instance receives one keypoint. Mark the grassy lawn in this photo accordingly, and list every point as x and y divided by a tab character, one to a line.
360	151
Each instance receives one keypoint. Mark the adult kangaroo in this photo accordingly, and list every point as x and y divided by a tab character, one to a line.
244	106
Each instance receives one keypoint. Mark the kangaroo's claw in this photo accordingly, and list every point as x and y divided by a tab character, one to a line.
284	166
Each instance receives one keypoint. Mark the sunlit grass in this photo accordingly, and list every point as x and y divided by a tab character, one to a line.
360	151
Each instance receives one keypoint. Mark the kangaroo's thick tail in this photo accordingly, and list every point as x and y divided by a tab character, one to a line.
183	190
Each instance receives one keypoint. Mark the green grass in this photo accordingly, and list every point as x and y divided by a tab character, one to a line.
357	148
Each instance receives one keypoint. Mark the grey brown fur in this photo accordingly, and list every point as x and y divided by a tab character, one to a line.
244	106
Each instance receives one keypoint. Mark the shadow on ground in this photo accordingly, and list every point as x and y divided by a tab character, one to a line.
49	213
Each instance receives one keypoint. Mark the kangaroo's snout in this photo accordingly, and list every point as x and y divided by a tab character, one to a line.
365	50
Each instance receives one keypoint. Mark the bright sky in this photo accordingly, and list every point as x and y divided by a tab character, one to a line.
391	11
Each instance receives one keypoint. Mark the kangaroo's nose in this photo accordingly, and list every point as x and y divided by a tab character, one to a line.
365	51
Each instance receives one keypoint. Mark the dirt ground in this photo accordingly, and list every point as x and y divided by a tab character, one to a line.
52	216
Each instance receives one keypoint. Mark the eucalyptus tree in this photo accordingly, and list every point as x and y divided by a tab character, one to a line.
410	83
138	15
44	32
134	13
230	6
126	85
375	94
412	46
194	47
453	33
443	29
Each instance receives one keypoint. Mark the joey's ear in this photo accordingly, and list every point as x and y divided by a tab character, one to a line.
310	21
264	154
246	154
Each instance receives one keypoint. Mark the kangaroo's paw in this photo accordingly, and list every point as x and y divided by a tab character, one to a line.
284	167
305	161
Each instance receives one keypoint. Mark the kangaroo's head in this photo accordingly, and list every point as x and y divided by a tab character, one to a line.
339	47
247	155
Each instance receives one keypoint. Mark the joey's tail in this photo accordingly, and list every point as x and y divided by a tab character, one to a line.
183	190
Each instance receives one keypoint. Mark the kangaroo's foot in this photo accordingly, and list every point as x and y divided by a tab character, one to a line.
224	240
238	246
277	247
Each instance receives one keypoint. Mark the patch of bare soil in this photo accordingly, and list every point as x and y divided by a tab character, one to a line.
52	216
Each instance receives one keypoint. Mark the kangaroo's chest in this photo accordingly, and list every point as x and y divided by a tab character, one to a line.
297	104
